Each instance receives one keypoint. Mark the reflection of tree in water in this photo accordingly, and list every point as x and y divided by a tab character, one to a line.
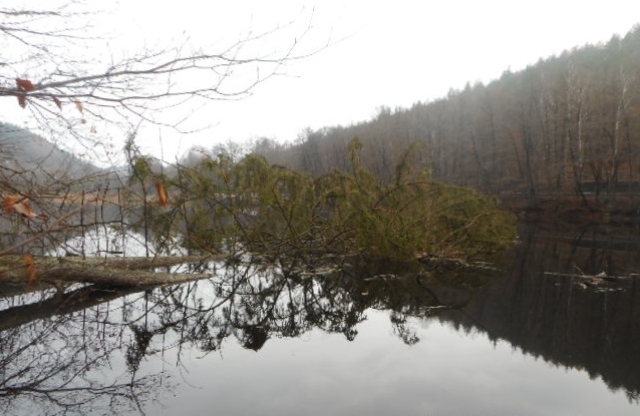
255	303
87	350
548	305
400	327
62	365
93	351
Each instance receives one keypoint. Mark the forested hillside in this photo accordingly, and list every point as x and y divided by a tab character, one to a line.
568	125
28	159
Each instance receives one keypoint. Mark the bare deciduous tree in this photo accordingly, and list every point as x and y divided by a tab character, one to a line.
57	64
53	57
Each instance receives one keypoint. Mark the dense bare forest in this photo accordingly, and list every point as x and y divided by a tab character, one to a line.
565	128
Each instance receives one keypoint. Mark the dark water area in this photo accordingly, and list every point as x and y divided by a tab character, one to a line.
553	327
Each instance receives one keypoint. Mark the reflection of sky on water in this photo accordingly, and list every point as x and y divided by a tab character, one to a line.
447	372
109	242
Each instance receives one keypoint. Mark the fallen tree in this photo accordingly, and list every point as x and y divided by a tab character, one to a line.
111	272
279	214
276	211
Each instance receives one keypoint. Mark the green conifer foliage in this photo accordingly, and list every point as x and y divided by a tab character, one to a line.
274	210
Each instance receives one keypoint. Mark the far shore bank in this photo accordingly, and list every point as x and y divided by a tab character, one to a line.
575	209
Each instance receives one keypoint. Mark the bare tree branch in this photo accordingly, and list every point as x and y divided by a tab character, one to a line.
140	86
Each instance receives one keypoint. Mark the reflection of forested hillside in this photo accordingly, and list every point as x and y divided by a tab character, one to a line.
569	124
553	315
559	317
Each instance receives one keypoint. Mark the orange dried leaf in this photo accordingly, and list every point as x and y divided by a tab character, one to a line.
24	209
25	85
32	270
58	102
16	203
8	203
79	106
162	194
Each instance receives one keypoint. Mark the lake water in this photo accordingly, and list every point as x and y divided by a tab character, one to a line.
533	336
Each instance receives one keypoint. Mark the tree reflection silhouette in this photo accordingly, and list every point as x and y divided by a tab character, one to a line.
57	365
91	350
542	306
85	351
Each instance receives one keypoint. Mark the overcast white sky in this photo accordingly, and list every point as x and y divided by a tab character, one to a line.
396	53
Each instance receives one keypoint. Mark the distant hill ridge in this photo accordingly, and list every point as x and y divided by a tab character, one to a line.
29	161
21	149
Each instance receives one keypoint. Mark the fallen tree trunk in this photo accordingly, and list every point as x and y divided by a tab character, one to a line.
117	277
121	272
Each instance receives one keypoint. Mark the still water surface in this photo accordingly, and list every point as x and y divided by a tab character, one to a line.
532	337
447	372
